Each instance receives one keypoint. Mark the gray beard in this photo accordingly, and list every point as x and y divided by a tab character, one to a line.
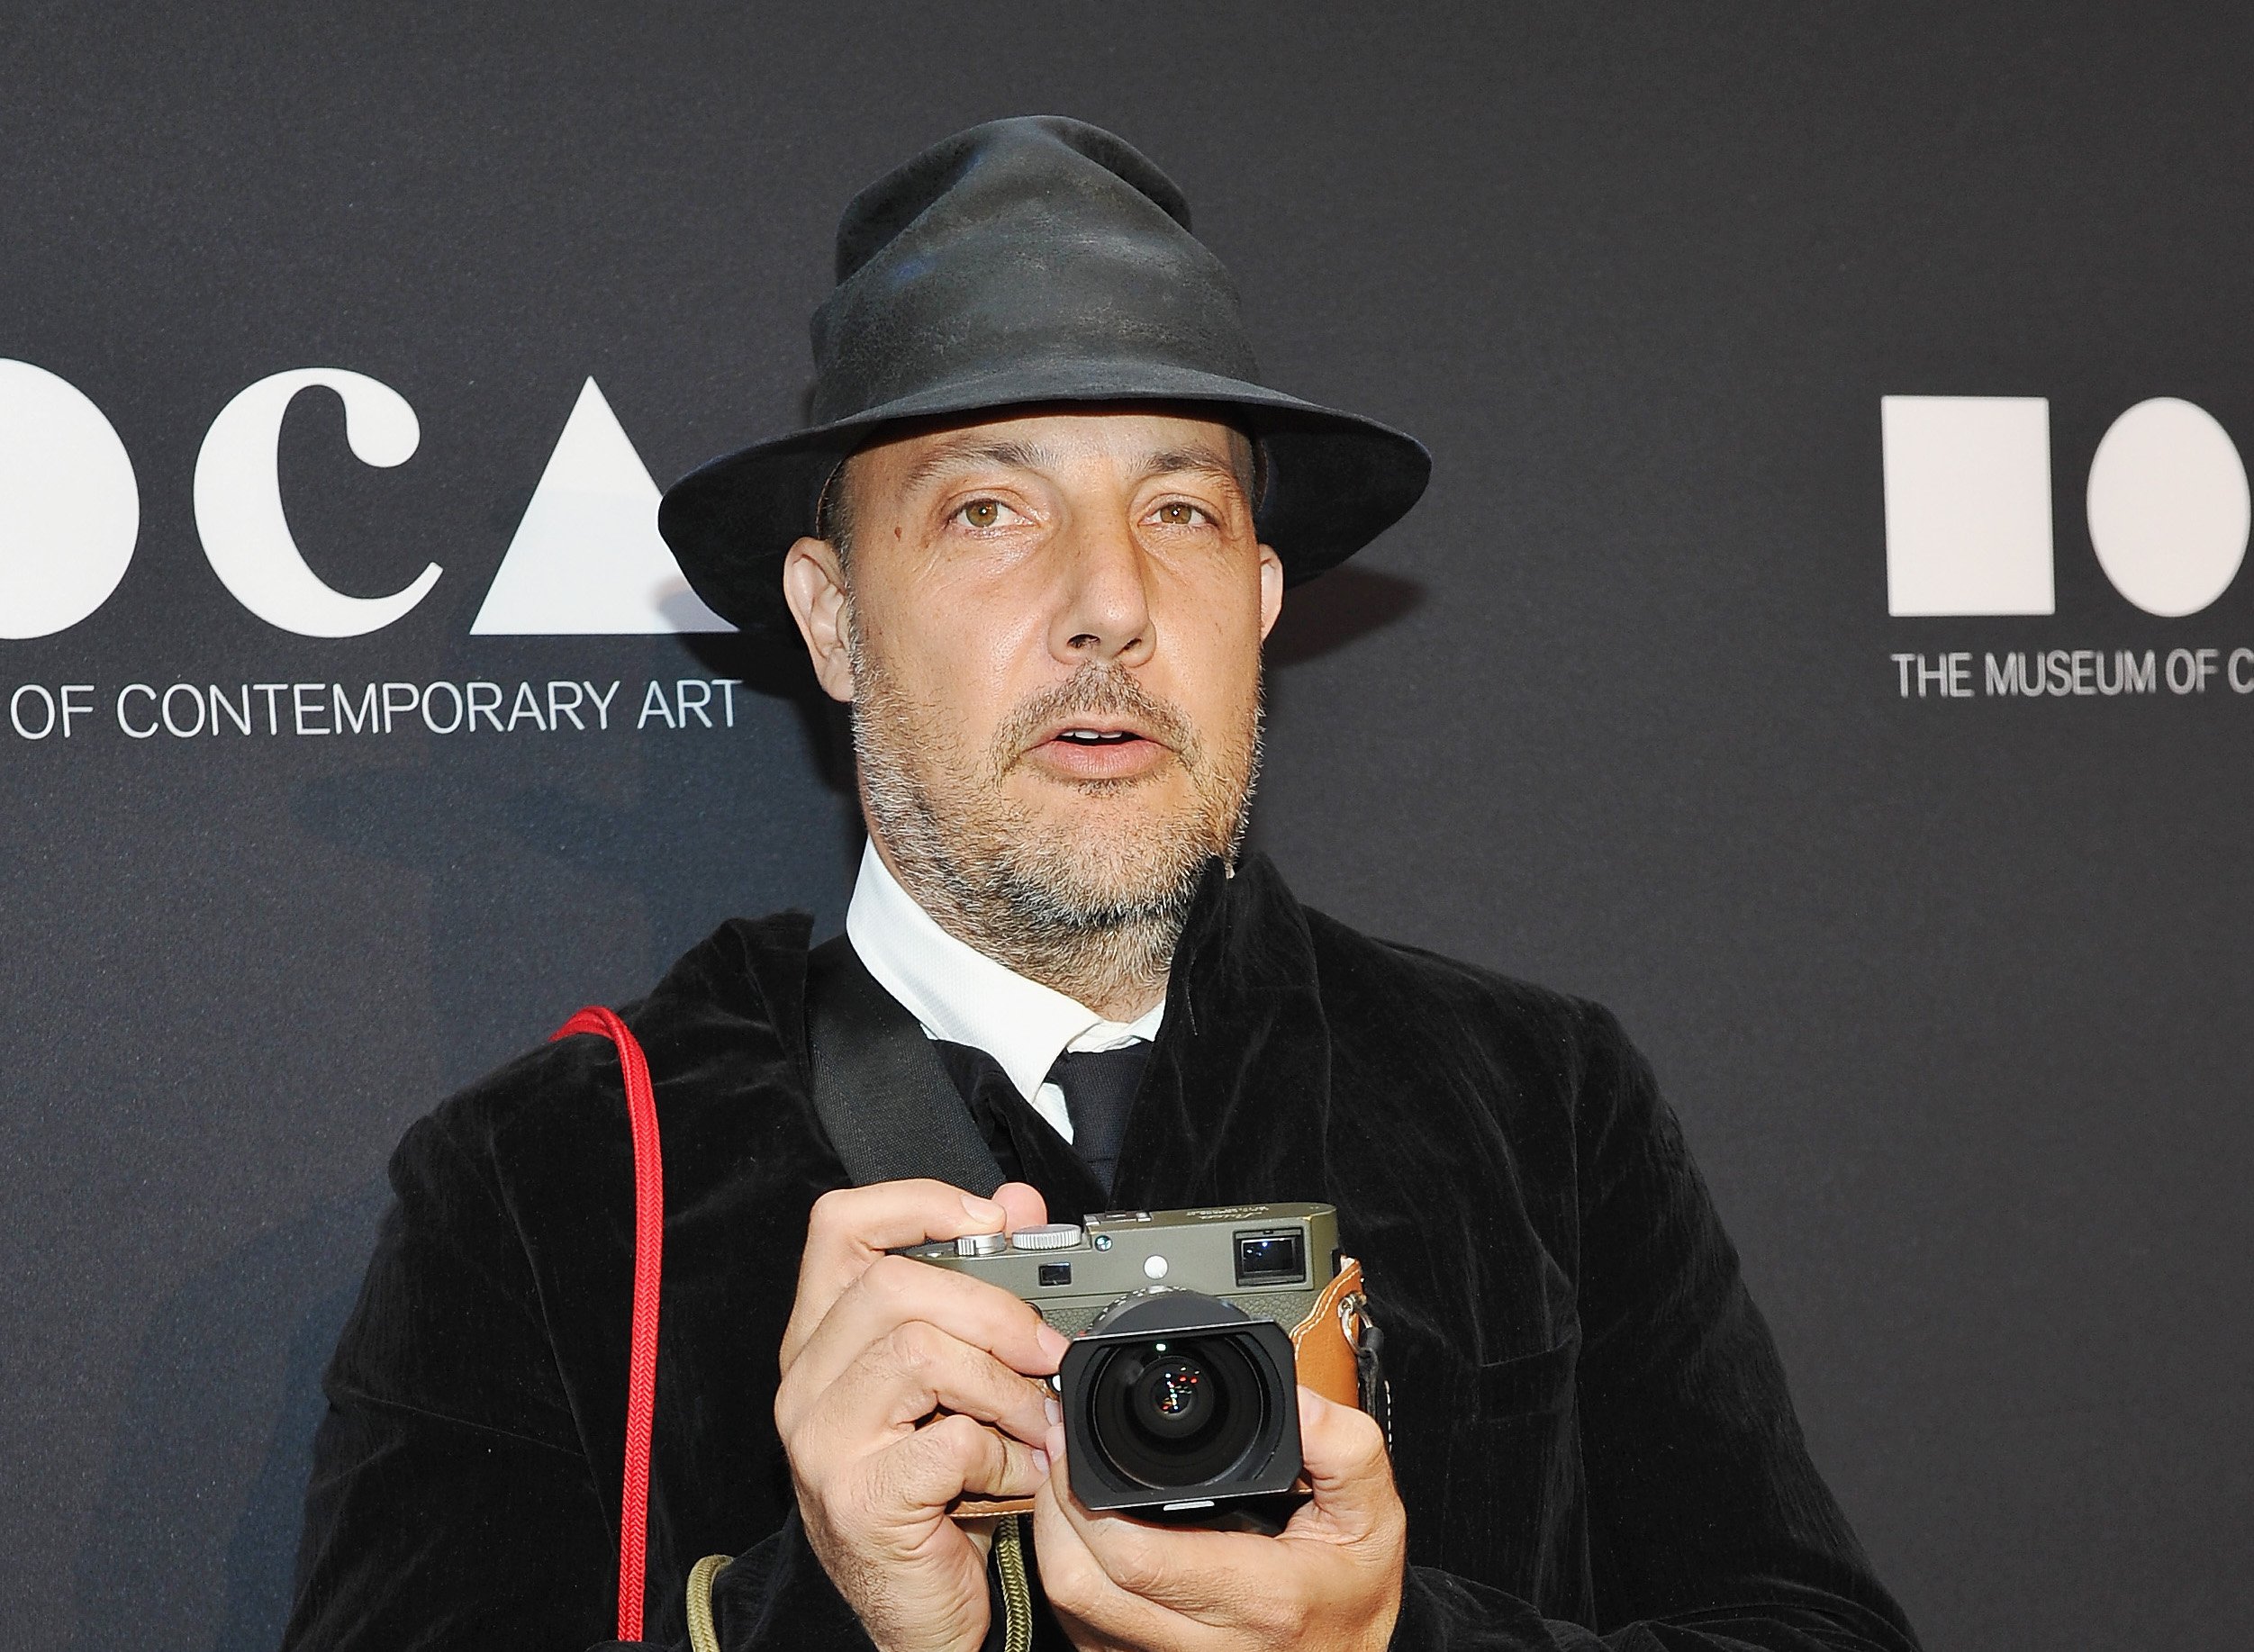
1095	915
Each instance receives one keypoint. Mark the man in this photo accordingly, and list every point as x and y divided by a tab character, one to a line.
1035	536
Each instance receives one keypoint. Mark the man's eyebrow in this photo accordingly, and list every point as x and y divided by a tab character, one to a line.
1190	462
970	453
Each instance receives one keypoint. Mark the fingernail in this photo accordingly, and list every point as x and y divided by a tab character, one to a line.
1057	1439
1040	1459
1054	1342
1055	1412
983	1210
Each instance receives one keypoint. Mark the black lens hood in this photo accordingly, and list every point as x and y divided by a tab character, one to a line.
1266	1470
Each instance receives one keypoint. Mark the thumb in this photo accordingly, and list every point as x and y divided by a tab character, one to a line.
1022	1205
1341	1451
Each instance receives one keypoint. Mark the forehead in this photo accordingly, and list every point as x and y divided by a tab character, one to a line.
1133	440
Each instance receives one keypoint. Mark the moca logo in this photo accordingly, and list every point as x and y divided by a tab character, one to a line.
585	560
1967	503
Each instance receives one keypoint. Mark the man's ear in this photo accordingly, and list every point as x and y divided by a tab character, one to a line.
1271	590
814	585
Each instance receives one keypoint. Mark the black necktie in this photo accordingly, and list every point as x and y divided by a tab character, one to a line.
1098	1088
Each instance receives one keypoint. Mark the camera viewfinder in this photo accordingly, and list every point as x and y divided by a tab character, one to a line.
1276	1256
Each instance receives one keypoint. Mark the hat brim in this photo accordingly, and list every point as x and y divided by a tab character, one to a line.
1334	481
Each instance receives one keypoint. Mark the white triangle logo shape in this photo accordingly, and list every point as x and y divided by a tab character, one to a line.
586	560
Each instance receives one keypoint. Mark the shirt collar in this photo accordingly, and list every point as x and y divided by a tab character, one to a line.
961	994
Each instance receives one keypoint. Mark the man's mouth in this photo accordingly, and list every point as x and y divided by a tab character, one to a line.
1101	725
1104	748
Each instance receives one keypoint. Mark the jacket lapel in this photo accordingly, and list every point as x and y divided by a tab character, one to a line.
1235	1104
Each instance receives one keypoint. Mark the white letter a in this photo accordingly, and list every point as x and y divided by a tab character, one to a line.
586	559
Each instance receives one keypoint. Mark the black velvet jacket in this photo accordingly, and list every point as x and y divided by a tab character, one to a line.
1592	1434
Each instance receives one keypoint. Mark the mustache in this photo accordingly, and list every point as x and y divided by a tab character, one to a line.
1097	688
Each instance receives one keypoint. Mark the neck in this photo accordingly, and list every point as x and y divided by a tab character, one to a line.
1117	968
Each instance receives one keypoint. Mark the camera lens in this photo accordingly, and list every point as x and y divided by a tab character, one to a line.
1173	1415
1174	1399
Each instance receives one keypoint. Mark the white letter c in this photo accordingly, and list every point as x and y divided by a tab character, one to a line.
239	503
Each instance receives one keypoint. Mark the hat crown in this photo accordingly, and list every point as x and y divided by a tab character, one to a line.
1037	238
875	216
1027	263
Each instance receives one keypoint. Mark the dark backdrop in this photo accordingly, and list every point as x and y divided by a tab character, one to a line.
1950	993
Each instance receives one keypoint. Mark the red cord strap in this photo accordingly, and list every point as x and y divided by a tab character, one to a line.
649	1238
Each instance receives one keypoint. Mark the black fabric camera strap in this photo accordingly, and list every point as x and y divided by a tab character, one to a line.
891	1111
879	1087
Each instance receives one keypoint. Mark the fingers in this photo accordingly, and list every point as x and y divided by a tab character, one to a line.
1142	1584
1342	1452
1094	1610
875	1342
894	1291
954	1457
879	1525
900	1378
1116	1580
850	1227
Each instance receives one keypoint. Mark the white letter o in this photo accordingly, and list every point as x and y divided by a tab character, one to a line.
2167	507
69	510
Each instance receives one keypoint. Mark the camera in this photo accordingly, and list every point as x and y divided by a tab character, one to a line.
1191	1329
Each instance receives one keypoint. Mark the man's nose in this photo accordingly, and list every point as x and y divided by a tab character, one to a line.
1105	613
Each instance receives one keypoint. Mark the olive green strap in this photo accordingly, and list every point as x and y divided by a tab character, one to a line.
702	1637
1016	1595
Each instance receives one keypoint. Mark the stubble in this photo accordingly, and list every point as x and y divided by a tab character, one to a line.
1092	907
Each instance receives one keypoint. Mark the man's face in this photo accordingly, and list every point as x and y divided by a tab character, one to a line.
1051	627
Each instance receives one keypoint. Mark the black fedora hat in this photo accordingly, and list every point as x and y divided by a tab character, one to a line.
1028	262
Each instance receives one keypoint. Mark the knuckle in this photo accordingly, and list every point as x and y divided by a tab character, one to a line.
958	1437
794	1432
816	1481
831	1212
796	1408
914	1347
1363	1438
929	1464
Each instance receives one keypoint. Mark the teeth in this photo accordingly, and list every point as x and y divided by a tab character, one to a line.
1091	736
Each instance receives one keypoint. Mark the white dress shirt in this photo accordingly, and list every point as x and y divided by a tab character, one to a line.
961	994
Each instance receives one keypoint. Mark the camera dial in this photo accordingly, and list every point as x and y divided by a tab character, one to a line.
1049	1236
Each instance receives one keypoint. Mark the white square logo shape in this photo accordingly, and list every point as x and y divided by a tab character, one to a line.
1968	485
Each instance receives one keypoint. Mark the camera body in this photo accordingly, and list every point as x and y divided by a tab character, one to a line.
1189	1329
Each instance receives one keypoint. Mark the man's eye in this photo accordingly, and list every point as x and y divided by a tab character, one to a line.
1179	513
982	513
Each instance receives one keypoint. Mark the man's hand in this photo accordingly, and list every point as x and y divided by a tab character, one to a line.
876	1344
1331	1579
